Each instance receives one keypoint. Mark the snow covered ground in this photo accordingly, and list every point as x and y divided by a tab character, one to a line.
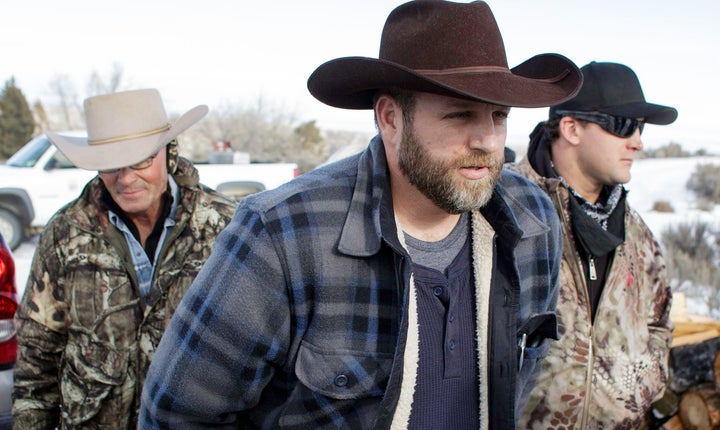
664	179
658	179
652	180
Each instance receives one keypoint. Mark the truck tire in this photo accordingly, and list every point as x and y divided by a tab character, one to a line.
11	228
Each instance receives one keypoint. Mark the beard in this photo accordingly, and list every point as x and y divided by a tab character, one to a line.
437	179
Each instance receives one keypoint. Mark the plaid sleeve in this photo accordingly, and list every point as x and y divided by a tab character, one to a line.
228	334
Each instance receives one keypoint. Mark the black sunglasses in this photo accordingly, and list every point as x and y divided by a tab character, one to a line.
618	125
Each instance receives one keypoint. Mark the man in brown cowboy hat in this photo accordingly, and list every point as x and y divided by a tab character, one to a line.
615	298
412	285
111	267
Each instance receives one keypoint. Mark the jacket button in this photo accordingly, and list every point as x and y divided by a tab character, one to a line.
341	380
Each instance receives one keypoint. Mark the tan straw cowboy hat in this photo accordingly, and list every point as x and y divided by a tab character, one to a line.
447	48
123	128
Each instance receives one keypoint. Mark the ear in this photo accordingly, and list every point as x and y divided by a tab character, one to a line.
570	129
389	118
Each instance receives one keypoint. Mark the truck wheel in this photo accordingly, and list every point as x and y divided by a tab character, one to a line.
11	228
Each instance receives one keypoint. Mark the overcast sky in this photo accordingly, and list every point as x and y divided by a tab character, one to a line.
216	52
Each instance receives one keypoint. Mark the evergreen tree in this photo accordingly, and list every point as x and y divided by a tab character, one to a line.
16	120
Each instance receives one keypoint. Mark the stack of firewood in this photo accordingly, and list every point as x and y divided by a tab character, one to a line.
692	398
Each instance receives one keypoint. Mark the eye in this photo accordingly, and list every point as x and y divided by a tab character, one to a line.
501	115
459	115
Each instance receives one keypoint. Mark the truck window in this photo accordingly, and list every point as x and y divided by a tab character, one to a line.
60	161
29	154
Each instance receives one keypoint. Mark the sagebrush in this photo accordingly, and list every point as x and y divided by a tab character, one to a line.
692	255
705	182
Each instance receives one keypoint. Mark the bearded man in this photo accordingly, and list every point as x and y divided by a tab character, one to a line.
410	286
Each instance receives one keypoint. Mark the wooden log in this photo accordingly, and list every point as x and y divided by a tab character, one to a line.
673	423
694	337
692	364
700	408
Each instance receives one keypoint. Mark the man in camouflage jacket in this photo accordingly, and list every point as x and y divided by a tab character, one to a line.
86	332
613	310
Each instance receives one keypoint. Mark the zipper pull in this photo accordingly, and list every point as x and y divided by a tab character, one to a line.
521	345
591	268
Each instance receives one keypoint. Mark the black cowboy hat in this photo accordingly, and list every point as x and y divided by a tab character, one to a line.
445	48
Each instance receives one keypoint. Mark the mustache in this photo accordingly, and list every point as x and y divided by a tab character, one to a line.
476	160
130	189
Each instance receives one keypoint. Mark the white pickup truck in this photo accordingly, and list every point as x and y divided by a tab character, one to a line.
38	179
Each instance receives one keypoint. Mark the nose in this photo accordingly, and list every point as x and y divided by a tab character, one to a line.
125	175
487	136
635	141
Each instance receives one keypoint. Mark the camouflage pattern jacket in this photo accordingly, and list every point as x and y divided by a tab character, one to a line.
85	338
604	375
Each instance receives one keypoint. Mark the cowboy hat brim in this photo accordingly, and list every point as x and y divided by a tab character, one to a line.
541	81
123	153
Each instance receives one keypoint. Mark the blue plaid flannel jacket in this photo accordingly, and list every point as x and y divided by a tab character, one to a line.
298	319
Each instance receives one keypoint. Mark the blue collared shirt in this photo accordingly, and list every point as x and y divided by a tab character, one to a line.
144	269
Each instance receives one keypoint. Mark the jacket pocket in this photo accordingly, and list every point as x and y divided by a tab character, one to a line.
91	371
342	374
626	384
336	388
535	335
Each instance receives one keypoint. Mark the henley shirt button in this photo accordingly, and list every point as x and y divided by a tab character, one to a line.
438	291
452	345
452	317
341	380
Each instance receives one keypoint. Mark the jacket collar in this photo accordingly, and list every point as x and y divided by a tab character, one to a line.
512	219
362	232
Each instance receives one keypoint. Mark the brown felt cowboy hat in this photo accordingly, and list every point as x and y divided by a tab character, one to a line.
446	48
123	129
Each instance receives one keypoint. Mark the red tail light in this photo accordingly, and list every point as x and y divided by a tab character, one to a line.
8	306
